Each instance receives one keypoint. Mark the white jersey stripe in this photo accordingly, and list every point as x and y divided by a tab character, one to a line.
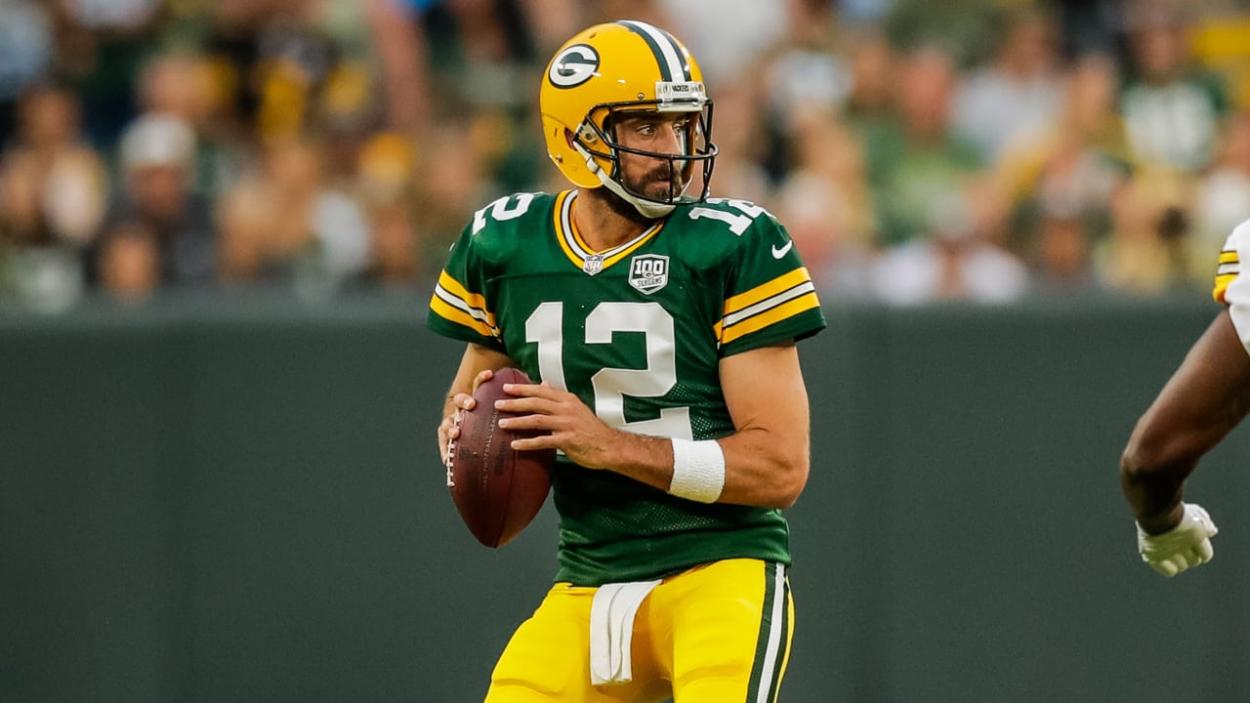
768	303
450	298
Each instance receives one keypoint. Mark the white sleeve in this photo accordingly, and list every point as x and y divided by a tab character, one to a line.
1232	288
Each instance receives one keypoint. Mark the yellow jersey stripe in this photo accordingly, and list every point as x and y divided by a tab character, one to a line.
460	317
773	316
474	300
1221	286
767	290
1229	257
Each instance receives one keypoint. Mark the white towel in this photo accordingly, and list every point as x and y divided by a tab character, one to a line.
612	630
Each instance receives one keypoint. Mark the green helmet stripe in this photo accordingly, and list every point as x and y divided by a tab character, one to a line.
650	37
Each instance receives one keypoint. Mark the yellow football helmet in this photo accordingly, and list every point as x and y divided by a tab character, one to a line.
617	67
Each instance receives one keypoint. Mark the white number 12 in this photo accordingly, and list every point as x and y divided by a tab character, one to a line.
545	327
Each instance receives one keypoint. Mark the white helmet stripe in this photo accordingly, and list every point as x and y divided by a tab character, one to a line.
668	49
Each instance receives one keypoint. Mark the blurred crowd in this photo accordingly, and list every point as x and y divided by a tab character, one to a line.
973	149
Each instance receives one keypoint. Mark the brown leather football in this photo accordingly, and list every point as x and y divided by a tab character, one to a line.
497	489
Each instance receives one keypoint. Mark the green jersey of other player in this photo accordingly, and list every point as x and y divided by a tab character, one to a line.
636	332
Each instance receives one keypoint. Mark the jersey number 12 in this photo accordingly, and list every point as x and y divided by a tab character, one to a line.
545	327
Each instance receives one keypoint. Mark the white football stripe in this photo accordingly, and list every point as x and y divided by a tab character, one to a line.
671	55
768	303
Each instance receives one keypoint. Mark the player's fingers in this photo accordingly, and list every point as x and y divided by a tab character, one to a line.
1206	550
528	422
531	390
1165	567
482	377
527	405
464	401
533	443
1184	561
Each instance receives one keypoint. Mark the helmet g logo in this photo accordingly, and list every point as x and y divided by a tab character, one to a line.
574	66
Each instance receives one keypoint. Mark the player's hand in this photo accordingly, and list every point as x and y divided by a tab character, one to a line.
1183	547
449	428
569	425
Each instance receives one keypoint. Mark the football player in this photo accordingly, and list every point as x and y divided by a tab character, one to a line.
1206	397
662	326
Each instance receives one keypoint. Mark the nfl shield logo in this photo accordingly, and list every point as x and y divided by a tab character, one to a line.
593	264
648	272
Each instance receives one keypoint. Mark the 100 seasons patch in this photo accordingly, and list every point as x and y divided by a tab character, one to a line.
648	272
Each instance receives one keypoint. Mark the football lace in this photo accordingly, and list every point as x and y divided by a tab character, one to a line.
451	453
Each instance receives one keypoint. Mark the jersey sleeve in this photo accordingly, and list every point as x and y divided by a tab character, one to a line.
1231	288
459	307
769	296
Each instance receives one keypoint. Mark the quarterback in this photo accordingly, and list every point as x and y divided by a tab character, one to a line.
1206	398
662	327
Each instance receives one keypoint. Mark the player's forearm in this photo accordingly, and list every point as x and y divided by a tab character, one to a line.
1155	498
1159	457
1206	397
756	472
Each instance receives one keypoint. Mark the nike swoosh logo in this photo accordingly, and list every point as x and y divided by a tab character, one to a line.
780	252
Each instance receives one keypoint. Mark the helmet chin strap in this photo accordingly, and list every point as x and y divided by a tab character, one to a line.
646	208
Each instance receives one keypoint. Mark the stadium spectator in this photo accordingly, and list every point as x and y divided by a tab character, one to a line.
1223	200
397	260
130	264
1172	111
825	203
728	36
870	104
285	224
954	262
53	184
1147	252
1060	182
807	72
742	137
915	162
1018	94
159	206
26	51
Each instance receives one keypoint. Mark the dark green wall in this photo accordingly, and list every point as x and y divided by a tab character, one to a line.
241	501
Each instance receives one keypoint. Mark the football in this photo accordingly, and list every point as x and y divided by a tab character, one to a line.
497	489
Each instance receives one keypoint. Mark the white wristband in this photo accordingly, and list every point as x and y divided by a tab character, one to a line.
698	470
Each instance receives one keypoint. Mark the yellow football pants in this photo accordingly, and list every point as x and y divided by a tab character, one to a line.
717	633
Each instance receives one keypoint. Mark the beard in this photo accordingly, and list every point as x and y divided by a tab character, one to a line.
665	182
618	206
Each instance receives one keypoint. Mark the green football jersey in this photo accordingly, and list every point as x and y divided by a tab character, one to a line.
637	333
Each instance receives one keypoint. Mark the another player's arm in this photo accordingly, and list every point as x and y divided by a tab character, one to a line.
476	366
1206	397
766	458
